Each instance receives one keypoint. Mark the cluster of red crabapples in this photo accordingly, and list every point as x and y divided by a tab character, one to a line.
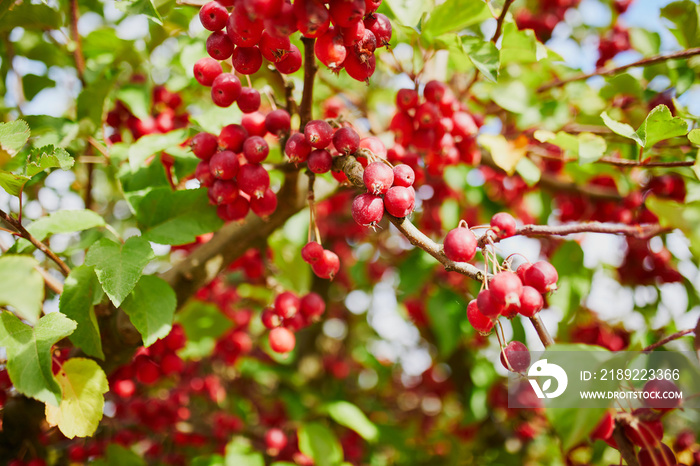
257	29
437	128
389	188
289	314
231	164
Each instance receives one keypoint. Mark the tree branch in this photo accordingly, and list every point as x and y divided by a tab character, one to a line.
17	225
663	341
75	35
542	332
642	231
499	21
612	71
310	68
624	445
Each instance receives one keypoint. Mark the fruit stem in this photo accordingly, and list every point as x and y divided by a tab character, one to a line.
310	67
542	332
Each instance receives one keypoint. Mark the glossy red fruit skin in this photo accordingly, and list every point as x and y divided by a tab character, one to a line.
320	161
328	266
253	180
224	165
542	276
282	340
312	252
427	115
318	133
275	439
372	5
223	192
225	89
404	175
345	12
374	145
353	33
312	305
520	272
367	209
254	123
330	49
506	288
460	245
291	63
479	321
203	174
662	386
434	91
287	304
660	455
380	26
278	122
270	319
359	67
605	427
243	31
255	149
219	46
518	356
247	60
204	145
297	148
249	100
274	48
346	141
232	137
463	125
503	224
313	18
213	16
531	301
406	99
378	178
206	70
399	201
488	306
238	209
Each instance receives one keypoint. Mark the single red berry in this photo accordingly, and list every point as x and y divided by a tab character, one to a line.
378	177
399	201
206	70
282	340
274	48
346	141
318	133
371	6
463	125
253	180
243	31
254	123
213	16
374	145
291	62
427	115
312	305
147	372
520	272
248	100
460	245
479	321
278	122
313	18
542	276
367	210
434	91
223	192
531	301
232	137
353	34
287	304
380	26
320	161
238	209
662	394
255	149
517	356
204	145
359	67
330	49
487	305
297	148
404	175
346	12
311	252
328	266
224	165
259	9
219	46
225	89
275	440
503	224
203	174
506	288
270	319
247	60
265	205
660	455
406	99
365	47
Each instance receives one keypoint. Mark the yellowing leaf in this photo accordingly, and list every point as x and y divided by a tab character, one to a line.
84	384
506	154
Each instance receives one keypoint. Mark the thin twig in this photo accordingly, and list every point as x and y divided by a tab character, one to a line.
542	332
101	149
663	341
75	35
612	71
65	270
307	96
614	160
499	21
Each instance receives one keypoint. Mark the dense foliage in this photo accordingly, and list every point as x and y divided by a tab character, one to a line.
251	232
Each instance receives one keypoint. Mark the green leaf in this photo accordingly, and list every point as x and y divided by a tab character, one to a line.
684	216
12	183
529	172
119	266
446	309
660	125
146	146
13	136
574	425
318	442
32	84
29	353
518	46
591	148
79	293
31	16
239	452
48	157
141	7
506	154
151	308
623	129
684	15
84	384
119	456
22	286
484	55
176	217
409	12
137	99
203	324
62	221
694	136
455	15
350	416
